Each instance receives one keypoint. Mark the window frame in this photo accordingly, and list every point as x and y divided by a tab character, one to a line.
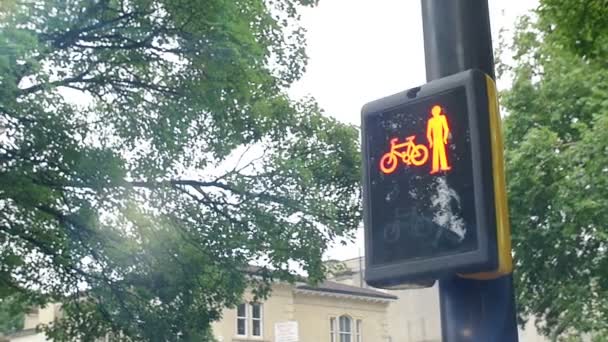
333	330
259	319
245	318
356	328
342	332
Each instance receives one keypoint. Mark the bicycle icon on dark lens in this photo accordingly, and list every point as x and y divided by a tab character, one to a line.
411	225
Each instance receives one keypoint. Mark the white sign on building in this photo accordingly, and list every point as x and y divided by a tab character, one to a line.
286	331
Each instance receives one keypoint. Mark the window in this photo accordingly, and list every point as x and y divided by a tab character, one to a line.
249	318
256	319
332	329
241	320
345	326
345	329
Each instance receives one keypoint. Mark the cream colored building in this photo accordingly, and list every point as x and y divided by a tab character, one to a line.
331	312
414	316
34	318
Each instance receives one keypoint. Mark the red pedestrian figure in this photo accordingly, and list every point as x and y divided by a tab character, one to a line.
437	132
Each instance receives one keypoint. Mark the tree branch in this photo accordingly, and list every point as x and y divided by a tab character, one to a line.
67	38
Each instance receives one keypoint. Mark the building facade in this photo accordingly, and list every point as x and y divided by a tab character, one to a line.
33	319
331	312
413	317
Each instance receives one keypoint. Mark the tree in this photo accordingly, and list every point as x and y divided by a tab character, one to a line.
557	166
149	153
11	315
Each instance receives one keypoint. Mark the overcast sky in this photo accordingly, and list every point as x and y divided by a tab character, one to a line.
361	50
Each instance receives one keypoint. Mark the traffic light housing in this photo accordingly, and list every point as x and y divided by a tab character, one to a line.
433	183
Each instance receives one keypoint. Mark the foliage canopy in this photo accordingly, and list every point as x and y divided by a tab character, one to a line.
149	153
557	163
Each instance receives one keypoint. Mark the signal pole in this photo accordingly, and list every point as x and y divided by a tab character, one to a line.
457	37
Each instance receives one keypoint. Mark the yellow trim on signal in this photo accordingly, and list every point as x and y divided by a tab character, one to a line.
503	227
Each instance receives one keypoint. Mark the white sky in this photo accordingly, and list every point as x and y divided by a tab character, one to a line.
361	50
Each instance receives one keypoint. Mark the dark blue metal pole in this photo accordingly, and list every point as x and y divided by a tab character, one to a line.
477	310
457	37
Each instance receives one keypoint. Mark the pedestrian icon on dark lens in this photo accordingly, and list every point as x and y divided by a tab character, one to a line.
437	133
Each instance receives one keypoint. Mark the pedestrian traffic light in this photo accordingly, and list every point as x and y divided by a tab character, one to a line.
433	183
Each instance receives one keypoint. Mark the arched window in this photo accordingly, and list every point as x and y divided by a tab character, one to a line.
345	328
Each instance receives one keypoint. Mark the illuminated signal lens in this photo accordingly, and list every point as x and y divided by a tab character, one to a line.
412	154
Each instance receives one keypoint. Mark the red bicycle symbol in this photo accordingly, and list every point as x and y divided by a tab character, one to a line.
410	154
